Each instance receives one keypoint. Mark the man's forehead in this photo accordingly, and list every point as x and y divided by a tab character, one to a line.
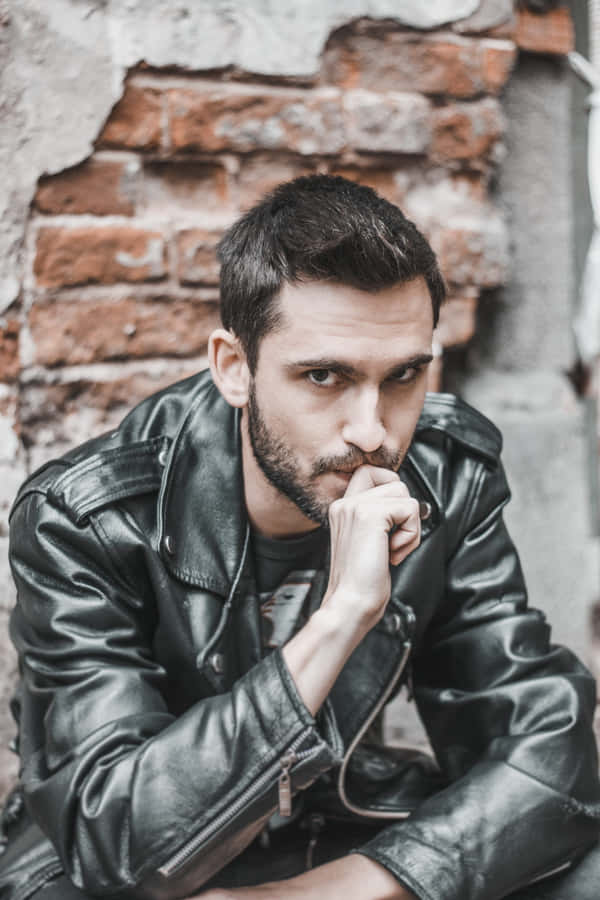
324	319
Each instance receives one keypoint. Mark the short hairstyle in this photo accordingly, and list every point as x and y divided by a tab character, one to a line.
316	228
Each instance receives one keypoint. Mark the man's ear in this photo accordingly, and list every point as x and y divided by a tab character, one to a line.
229	367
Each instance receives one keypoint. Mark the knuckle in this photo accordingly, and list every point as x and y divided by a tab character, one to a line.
403	490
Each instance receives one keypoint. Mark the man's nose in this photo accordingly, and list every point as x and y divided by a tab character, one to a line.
364	425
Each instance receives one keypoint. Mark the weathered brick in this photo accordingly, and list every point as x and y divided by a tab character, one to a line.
70	332
182	186
497	61
99	187
552	32
136	121
222	119
64	413
197	261
457	320
387	123
399	61
261	172
9	348
473	253
390	183
463	131
105	255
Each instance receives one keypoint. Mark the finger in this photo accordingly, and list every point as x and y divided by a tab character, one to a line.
366	477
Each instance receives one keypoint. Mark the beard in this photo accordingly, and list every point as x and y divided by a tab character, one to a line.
279	464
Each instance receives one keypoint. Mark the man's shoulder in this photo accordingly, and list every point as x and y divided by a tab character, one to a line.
446	419
121	463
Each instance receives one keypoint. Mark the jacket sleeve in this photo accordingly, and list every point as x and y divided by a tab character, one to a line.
137	802
509	716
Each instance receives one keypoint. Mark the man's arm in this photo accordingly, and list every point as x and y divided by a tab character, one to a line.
350	878
135	798
509	716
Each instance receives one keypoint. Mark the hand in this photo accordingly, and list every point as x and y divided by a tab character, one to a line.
354	877
374	524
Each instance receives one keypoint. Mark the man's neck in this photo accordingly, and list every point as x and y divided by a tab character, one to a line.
270	512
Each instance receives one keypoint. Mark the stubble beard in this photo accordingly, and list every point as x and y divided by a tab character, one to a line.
279	465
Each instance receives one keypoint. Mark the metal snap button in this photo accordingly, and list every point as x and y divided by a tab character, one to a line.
162	457
168	545
395	623
217	662
424	509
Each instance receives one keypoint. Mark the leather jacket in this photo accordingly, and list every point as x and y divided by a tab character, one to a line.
155	736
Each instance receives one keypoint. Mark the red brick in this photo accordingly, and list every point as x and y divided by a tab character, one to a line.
388	183
70	332
475	254
98	187
551	32
387	123
497	61
9	349
197	261
136	121
261	172
463	131
184	186
244	121
457	320
105	255
397	61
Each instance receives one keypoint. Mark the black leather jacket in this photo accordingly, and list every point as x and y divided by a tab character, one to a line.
153	733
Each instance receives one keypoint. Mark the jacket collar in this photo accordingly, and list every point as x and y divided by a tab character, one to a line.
202	514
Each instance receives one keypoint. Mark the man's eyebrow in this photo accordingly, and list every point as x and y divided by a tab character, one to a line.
341	368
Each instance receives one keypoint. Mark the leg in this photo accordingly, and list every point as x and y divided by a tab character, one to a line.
579	883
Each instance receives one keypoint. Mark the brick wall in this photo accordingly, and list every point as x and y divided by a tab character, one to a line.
119	276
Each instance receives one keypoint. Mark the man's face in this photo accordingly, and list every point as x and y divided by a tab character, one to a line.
338	384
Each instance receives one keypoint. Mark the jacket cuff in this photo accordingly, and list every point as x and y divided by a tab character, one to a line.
425	871
325	724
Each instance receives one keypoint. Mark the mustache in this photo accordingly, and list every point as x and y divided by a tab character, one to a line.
348	462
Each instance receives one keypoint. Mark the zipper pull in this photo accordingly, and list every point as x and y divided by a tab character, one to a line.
285	784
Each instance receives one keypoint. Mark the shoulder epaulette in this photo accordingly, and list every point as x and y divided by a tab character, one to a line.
80	488
450	415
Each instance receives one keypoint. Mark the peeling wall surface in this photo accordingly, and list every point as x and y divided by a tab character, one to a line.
134	132
63	64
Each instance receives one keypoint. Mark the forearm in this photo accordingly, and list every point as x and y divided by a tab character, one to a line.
317	653
352	877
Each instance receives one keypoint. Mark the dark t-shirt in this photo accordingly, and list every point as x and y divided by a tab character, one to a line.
289	581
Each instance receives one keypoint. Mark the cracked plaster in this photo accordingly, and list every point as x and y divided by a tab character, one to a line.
63	63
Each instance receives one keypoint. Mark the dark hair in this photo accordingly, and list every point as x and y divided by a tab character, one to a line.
316	228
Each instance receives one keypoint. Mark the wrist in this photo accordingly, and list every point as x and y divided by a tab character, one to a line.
335	621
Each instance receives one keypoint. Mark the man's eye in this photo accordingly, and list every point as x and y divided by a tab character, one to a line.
405	376
322	377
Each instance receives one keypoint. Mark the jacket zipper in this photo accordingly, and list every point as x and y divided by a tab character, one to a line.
361	811
41	878
281	767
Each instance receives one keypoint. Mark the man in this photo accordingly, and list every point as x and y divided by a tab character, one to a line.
216	601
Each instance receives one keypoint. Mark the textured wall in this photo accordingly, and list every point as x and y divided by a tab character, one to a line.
112	214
